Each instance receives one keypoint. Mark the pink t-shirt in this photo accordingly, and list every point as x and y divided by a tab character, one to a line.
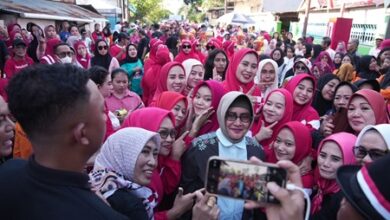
130	102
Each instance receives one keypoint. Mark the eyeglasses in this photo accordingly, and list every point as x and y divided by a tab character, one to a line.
186	46
64	54
210	47
360	152
102	47
300	67
245	117
164	133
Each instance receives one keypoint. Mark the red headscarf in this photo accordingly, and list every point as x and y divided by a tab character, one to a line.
215	42
228	47
345	142
202	57
302	112
377	103
83	61
150	79
182	56
330	61
303	142
50	46
288	111
169	99
217	92
149	118
152	54
162	80
231	82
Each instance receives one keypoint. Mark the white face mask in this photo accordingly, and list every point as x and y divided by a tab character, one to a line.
66	59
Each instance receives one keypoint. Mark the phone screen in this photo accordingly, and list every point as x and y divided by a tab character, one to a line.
242	180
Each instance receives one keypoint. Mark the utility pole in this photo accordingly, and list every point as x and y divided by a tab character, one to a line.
225	7
306	18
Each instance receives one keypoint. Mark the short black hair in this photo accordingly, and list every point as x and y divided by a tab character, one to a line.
327	41
98	74
58	45
70	27
118	71
39	95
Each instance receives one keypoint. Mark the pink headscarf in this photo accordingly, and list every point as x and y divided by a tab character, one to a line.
302	112
150	79
231	82
228	47
330	62
217	92
201	55
303	142
50	46
149	118
162	80
182	56
377	103
169	99
83	61
287	115
154	43
345	142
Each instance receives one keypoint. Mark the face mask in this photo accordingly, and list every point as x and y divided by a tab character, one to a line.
66	59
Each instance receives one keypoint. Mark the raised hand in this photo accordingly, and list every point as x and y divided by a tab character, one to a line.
179	147
204	209
265	131
201	120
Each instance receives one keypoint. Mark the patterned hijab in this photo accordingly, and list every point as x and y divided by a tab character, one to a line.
115	164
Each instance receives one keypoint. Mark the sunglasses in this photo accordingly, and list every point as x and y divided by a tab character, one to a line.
360	152
210	47
102	47
186	46
245	117
164	133
64	54
300	67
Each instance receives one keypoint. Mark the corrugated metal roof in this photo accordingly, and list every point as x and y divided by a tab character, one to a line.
281	6
43	9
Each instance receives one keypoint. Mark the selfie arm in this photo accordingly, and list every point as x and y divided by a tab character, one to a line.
293	187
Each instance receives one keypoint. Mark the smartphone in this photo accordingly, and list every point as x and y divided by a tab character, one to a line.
243	180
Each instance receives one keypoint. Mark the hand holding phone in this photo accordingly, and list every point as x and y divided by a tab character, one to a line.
243	180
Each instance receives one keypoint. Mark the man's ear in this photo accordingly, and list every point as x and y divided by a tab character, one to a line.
79	133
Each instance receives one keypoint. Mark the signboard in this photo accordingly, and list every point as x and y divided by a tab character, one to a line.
348	3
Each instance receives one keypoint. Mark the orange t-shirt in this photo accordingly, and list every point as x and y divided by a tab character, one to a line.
22	146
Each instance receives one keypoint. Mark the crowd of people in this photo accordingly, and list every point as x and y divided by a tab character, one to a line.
120	123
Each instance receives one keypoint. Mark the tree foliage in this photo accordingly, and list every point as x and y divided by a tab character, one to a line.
195	10
149	10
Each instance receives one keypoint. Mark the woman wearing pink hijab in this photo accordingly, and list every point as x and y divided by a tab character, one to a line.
166	176
187	51
172	77
49	57
82	55
333	152
152	60
241	73
150	79
302	88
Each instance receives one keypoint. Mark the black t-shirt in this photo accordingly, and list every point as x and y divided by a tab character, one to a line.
3	55
128	204
31	191
144	42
